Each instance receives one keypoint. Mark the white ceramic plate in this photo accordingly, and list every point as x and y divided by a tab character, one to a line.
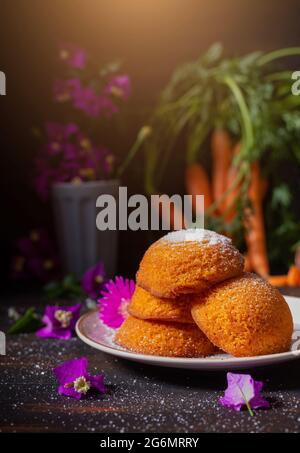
96	334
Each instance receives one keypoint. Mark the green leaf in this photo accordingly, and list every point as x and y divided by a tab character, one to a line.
281	196
69	287
29	322
213	54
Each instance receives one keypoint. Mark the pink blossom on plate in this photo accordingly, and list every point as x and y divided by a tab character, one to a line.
75	381
113	304
242	391
59	321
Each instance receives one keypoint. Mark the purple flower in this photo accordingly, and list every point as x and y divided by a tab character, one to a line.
74	56
119	86
243	390
93	279
59	321
75	381
107	106
114	301
69	156
66	90
88	101
35	257
59	133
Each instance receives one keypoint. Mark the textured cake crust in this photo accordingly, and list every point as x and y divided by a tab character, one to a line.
245	316
188	261
145	306
163	338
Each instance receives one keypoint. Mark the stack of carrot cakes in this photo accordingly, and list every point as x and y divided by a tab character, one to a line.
193	299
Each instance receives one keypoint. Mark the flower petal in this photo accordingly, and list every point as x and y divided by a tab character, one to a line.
97	382
71	370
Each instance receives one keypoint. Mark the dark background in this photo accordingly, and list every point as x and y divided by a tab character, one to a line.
151	36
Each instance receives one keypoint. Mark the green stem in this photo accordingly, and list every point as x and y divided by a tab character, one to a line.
282	75
281	53
192	151
143	134
246	402
246	120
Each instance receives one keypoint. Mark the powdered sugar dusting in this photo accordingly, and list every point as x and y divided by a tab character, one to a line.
199	235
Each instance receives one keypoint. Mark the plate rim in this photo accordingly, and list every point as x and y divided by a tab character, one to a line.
208	361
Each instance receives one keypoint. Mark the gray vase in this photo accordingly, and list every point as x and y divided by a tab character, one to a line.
81	244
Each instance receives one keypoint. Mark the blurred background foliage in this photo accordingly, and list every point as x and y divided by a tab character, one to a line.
152	38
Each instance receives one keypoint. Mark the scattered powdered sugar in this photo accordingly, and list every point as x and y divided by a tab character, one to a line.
200	235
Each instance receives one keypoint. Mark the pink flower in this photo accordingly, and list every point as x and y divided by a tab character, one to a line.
243	390
107	106
58	135
93	279
59	321
74	56
88	101
66	90
68	156
75	381
119	86
115	298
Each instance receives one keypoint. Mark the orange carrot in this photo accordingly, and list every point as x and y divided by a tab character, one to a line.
172	216
176	217
254	222
197	183
293	276
297	257
221	147
278	280
248	264
229	206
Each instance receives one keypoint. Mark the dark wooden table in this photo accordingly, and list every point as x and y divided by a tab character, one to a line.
140	398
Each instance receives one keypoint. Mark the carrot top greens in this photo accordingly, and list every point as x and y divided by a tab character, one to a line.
250	97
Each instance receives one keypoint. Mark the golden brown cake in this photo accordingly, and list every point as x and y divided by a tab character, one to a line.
245	316
188	261
145	306
163	338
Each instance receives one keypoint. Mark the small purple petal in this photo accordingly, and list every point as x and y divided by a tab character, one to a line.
243	387
59	327
69	372
97	382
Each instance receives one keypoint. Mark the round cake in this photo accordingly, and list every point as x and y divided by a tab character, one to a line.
188	261
245	316
145	306
163	338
